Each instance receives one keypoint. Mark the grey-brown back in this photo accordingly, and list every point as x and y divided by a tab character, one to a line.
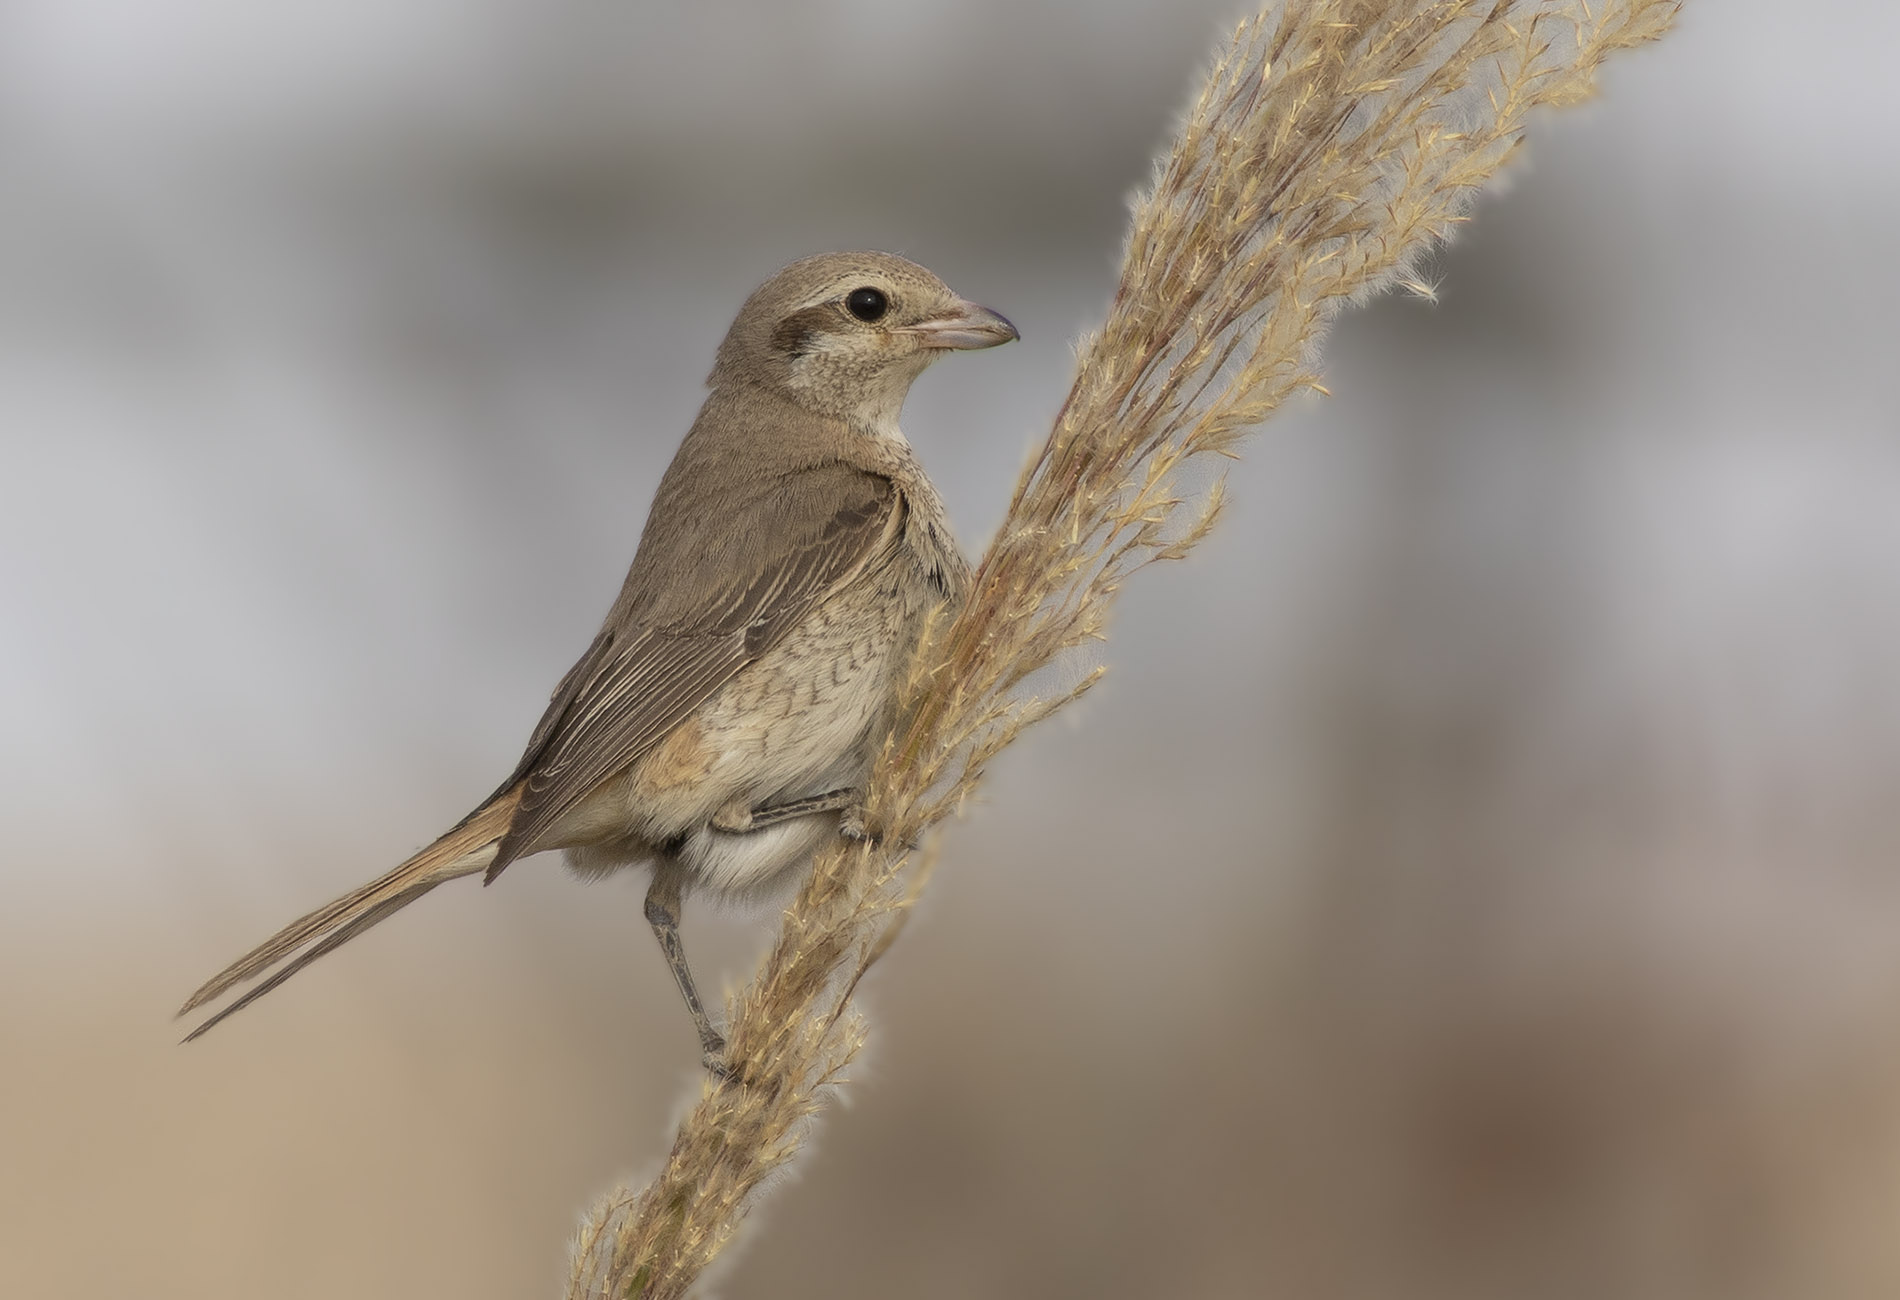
761	516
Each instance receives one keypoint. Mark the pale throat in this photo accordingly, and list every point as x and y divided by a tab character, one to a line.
882	426
884	402
875	399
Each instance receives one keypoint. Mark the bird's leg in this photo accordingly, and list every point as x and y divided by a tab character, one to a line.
663	914
736	819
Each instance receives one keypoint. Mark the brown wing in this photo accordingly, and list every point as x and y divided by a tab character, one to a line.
709	592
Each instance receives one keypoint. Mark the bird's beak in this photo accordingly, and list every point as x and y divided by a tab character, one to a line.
963	327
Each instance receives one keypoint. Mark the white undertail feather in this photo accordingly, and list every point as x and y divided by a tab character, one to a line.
467	849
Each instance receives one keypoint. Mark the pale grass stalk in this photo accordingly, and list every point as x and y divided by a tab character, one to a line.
1332	143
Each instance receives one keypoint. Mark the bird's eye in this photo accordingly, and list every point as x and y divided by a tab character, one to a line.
867	304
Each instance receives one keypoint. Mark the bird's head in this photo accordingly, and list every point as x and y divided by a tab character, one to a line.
844	334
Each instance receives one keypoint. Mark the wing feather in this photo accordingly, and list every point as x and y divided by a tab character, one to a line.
648	671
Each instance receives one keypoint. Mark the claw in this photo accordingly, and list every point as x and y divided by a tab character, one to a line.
713	1059
851	826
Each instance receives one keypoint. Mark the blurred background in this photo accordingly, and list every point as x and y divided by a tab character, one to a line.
1476	878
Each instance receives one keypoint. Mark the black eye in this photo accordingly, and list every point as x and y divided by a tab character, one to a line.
867	304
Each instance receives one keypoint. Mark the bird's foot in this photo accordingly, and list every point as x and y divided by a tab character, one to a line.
851	825
712	1057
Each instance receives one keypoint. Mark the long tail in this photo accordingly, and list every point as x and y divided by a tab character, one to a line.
468	848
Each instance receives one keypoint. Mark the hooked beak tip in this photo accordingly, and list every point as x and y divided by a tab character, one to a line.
966	327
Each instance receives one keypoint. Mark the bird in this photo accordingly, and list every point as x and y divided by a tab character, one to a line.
722	725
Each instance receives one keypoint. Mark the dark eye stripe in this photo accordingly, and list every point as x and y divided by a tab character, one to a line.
794	334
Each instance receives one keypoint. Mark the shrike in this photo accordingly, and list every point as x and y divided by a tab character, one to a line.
722	725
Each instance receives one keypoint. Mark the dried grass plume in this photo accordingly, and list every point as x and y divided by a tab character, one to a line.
1332	143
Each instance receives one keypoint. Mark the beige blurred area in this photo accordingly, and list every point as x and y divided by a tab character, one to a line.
1477	877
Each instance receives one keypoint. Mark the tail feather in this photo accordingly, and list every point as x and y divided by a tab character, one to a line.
469	848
